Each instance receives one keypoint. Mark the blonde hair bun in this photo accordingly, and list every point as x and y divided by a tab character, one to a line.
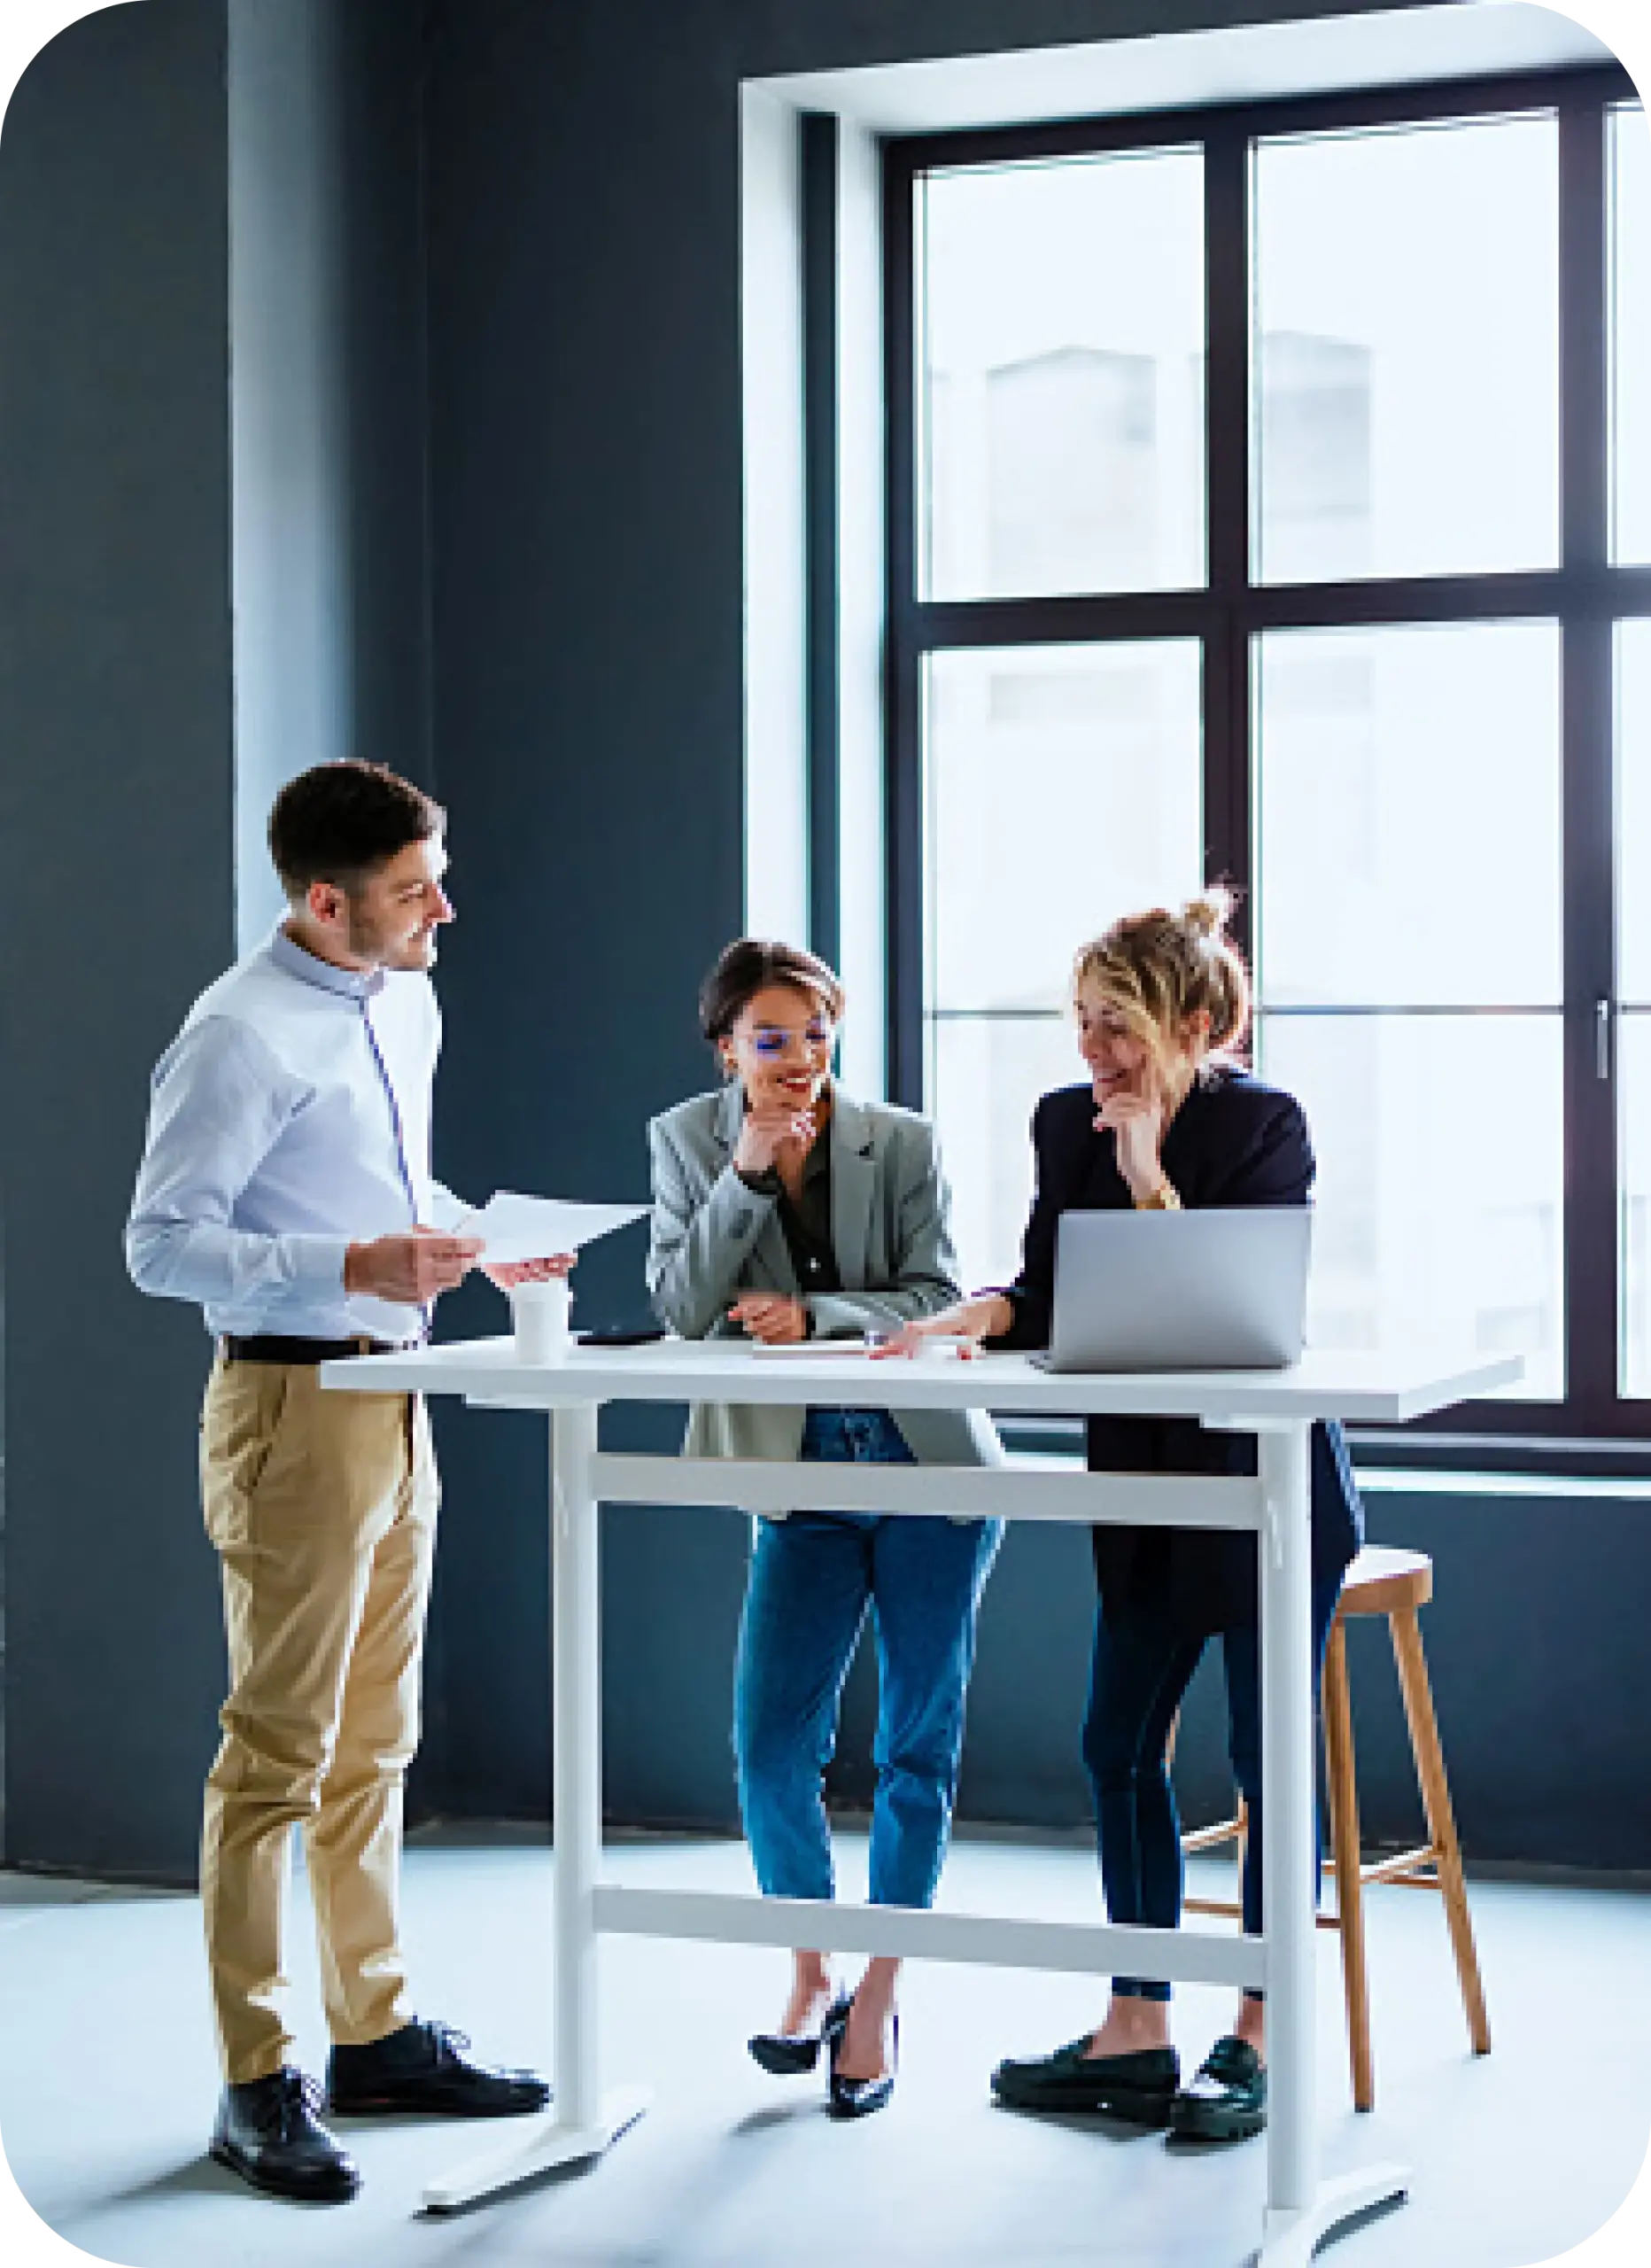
1157	970
1208	914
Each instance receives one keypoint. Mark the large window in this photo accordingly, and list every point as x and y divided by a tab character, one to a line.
1271	500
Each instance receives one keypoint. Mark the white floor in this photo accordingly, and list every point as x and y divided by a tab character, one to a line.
107	2086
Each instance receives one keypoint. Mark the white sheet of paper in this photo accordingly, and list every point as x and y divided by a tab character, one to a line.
814	1346
514	1227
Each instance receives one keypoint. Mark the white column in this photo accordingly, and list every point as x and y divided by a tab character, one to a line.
1290	1787
577	1760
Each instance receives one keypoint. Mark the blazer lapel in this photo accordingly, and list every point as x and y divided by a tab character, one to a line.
771	1254
853	1187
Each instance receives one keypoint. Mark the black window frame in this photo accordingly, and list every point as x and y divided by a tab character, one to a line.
1585	594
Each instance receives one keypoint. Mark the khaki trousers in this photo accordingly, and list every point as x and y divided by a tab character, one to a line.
322	1509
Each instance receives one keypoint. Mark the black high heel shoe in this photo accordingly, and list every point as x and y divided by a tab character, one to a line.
787	2053
858	2098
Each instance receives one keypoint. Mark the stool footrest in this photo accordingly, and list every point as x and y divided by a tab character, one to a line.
1229	1910
1403	1868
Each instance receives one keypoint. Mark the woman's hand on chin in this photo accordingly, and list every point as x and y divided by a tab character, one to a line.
1135	1118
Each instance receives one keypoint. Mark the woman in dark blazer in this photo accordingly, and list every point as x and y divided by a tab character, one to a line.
1167	1119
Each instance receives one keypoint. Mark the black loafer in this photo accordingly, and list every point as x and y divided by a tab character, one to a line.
1139	2087
1226	2100
789	2054
859	2098
269	2133
423	2067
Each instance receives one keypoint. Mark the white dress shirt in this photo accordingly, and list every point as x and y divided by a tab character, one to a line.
289	1120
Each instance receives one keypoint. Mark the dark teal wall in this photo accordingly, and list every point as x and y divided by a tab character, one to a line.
544	571
115	903
117	824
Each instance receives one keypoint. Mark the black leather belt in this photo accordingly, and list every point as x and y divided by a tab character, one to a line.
301	1350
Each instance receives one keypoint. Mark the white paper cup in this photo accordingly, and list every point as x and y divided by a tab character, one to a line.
539	1314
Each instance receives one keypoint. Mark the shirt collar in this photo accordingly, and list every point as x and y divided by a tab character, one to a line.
309	969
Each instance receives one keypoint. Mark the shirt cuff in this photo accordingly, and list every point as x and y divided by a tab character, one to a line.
766	1183
317	1261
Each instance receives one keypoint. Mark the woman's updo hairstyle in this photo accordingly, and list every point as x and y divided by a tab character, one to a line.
1156	971
748	967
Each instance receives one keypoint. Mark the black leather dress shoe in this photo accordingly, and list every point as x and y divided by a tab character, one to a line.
424	2067
859	2098
1226	2101
1139	2086
787	2053
269	2133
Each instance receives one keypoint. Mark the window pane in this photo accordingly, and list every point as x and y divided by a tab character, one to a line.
1407	819
1630	333
1633	812
984	1075
1425	1233
1633	1074
1062	785
1060	350
1406	370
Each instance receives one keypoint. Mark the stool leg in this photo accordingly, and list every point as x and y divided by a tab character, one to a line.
1344	1796
1424	1740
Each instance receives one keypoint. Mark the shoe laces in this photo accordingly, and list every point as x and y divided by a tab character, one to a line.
298	2103
449	2042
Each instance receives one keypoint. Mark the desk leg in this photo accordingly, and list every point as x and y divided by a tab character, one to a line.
582	2125
1300	2211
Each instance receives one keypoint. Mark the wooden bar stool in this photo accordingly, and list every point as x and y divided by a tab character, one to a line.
1396	1584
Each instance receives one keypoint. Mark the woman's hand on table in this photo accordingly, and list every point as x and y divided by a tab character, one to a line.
508	1273
772	1318
964	1325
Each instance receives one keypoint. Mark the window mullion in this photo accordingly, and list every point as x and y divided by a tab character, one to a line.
1227	799
1588	879
904	816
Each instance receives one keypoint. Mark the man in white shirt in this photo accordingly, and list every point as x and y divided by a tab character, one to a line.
286	1187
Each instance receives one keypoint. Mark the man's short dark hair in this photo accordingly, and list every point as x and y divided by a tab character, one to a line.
748	967
340	822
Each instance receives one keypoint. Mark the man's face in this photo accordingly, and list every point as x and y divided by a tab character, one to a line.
392	919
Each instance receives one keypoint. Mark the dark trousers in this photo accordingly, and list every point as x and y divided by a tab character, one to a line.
1141	1669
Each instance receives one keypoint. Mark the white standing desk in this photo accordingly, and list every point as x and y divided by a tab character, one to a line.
1276	1406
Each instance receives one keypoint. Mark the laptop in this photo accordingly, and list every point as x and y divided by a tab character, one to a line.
1207	1290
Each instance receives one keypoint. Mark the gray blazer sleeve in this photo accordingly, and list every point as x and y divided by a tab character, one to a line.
697	1244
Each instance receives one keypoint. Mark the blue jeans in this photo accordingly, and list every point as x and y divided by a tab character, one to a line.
1141	1667
812	1577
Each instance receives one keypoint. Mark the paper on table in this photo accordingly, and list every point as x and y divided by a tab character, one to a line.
814	1347
514	1227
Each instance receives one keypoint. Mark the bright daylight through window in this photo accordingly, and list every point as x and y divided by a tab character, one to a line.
1249	533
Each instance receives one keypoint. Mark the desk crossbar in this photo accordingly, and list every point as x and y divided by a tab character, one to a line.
758	1485
1075	1948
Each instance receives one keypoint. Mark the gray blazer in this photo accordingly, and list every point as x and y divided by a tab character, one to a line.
712	1238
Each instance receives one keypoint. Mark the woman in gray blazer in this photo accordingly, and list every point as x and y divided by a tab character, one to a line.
785	1210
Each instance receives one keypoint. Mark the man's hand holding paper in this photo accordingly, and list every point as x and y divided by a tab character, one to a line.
535	1239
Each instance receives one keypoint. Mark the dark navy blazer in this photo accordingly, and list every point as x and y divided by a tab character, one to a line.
1234	1141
